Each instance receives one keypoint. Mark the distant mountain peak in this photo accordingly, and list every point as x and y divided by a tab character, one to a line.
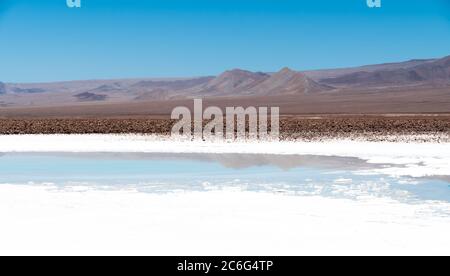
288	73
286	70
288	81
421	73
232	82
443	61
416	72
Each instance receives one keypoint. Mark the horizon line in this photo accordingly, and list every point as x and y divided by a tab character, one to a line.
175	78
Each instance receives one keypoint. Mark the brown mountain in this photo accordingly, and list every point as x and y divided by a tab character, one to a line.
436	72
318	75
430	73
361	82
230	83
245	83
286	82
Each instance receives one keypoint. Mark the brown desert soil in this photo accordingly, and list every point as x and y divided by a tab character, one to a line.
368	127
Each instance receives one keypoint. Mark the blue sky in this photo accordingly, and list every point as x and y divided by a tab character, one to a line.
46	41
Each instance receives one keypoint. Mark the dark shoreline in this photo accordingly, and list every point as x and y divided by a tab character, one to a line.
368	127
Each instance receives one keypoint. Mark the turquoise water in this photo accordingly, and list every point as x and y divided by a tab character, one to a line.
165	173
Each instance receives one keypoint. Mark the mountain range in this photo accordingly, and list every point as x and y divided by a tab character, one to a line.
429	73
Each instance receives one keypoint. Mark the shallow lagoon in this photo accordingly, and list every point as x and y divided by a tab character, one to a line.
340	177
220	204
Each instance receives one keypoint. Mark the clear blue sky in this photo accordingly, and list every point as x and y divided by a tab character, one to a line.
46	41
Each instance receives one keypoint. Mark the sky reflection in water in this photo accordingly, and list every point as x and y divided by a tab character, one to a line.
165	173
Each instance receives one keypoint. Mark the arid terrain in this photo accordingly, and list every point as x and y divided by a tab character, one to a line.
403	98
368	127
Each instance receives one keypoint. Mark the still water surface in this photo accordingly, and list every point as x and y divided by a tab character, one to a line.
339	177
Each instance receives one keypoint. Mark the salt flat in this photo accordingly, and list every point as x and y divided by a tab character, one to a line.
43	220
